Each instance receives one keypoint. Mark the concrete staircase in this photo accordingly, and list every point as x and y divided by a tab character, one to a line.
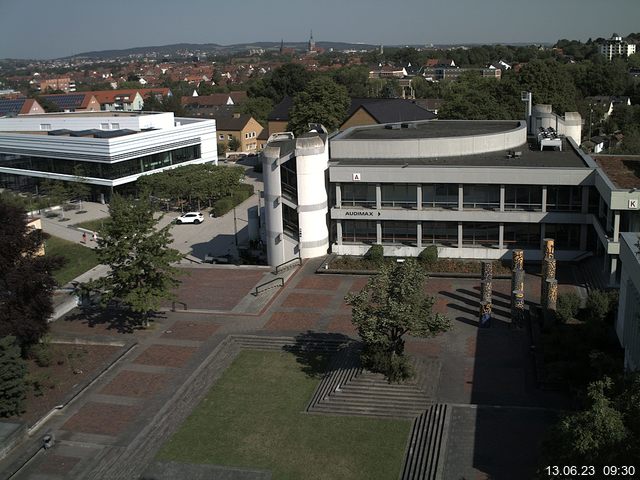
427	444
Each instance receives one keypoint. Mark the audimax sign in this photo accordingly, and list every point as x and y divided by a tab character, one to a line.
360	213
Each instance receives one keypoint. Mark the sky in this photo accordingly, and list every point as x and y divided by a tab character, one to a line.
43	29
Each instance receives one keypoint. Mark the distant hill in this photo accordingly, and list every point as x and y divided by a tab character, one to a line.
213	48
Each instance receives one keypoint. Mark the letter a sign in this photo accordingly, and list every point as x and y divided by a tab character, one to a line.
356	177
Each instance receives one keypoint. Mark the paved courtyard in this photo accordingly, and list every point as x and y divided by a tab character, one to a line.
485	375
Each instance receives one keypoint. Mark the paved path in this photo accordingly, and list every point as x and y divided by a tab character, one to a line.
485	375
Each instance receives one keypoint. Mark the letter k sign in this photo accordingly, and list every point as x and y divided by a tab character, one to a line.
633	204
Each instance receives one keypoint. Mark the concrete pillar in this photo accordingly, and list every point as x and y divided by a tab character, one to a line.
585	200
338	195
616	226
502	196
339	232
419	197
273	210
613	271
419	234
459	234
460	197
583	237
378	196
501	236
378	232
544	199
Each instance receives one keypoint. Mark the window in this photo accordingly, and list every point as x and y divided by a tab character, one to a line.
45	126
439	233
104	126
221	136
358	195
358	231
440	196
564	199
115	126
522	235
523	197
399	232
399	195
483	234
481	196
229	137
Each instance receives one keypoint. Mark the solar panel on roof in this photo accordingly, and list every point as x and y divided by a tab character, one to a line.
11	106
72	100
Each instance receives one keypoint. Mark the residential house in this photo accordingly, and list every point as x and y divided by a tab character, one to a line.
362	111
242	127
65	84
119	100
19	106
74	102
213	106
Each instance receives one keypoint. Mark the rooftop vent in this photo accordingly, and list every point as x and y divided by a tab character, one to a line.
393	126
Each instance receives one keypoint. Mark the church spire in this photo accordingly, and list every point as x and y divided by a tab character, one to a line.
312	43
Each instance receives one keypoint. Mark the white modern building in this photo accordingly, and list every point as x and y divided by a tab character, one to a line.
112	149
617	47
628	321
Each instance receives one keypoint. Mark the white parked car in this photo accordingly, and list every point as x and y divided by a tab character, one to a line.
190	217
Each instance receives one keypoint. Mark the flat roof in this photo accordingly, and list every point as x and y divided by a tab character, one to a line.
101	113
430	129
530	156
622	170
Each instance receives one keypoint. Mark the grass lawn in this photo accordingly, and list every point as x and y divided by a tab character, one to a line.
93	225
253	417
79	258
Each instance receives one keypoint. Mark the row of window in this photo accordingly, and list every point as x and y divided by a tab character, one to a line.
515	235
516	197
109	171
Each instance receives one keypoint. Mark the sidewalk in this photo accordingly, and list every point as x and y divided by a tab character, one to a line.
66	229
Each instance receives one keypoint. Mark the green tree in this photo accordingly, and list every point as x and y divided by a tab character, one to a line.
288	80
391	305
141	272
13	386
26	283
323	101
234	144
605	432
259	108
354	79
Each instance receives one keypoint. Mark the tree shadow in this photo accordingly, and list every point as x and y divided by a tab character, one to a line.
315	351
112	317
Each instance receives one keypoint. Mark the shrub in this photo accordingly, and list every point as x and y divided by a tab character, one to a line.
568	306
429	255
396	368
13	370
41	353
375	254
600	305
222	206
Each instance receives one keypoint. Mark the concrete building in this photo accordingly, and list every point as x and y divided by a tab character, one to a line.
112	149
628	320
244	128
617	47
476	189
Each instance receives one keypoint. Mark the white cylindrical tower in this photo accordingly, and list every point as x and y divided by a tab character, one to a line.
273	205
312	157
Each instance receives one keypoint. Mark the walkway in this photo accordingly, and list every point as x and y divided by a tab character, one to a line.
484	376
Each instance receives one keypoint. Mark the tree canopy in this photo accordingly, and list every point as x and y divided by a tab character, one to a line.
141	272
391	305
322	101
26	283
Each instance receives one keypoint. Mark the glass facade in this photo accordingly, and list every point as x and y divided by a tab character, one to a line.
359	195
566	236
522	235
399	195
440	233
399	232
481	234
289	179
523	197
109	171
440	196
481	196
564	199
354	231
